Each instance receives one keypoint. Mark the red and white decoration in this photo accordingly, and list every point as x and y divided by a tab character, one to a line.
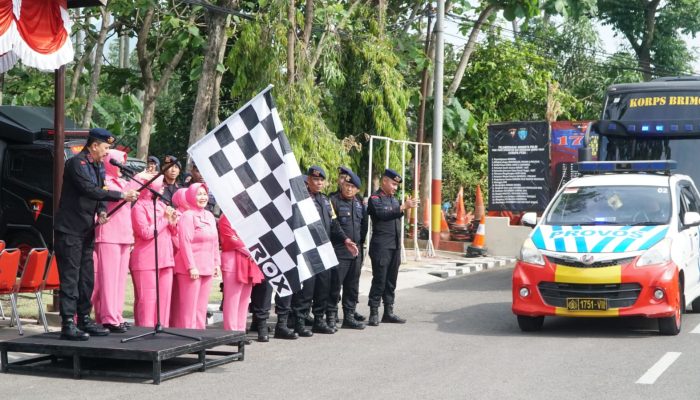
36	32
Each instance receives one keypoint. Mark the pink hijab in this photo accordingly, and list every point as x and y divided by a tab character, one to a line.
180	201
112	171
156	185
191	195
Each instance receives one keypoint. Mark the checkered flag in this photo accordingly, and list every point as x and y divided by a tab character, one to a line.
250	169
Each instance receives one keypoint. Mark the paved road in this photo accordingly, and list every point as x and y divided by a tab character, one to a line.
461	342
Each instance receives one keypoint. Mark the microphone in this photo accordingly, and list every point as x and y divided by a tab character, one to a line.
121	166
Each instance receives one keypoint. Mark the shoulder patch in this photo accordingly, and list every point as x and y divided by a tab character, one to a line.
374	196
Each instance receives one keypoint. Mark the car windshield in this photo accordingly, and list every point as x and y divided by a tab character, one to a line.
611	205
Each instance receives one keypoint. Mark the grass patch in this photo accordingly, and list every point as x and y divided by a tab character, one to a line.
28	308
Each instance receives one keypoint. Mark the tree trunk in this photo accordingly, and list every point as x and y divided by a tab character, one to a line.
468	49
308	23
151	86
205	88
149	111
291	39
97	67
215	100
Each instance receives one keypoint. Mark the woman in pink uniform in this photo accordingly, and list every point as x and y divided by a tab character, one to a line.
143	257
180	203
239	273
198	259
112	244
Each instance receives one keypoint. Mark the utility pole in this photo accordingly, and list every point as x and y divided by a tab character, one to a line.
437	123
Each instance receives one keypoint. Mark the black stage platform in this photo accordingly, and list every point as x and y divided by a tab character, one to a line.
106	356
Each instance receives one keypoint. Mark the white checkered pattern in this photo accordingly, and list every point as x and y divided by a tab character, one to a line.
250	169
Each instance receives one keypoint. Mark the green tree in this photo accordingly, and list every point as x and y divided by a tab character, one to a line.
653	29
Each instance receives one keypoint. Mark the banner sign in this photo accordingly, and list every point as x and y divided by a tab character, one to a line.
519	166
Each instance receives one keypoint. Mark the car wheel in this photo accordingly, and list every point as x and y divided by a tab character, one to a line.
671	326
530	324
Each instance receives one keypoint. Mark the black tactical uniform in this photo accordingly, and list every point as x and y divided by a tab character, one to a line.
384	251
260	304
82	198
352	217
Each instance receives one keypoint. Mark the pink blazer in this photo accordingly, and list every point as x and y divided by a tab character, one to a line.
118	229
143	254
199	242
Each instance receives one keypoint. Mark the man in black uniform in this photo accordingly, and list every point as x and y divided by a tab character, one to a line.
343	173
317	288
352	218
385	246
82	197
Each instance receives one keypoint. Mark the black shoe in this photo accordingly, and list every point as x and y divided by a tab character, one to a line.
390	317
320	326
70	332
86	324
373	316
281	329
301	329
358	317
115	328
263	332
126	325
332	320
349	321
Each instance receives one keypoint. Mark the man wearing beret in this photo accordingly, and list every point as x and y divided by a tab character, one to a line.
343	173
385	246
82	199
170	181
352	217
317	288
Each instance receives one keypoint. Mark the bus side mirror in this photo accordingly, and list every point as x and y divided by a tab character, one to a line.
530	219
691	219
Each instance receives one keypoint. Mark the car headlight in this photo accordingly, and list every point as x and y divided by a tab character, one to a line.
660	253
530	254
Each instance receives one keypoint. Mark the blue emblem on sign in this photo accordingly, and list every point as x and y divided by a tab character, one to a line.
522	133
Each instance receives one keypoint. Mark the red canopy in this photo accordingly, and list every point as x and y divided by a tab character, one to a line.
36	32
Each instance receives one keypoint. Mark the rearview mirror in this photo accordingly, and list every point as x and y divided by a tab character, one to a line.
530	219
691	219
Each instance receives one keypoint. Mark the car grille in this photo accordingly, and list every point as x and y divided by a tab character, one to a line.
578	264
618	294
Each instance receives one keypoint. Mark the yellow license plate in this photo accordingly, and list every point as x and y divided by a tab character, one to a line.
578	304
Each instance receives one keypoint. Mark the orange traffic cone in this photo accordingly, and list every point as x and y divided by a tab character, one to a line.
444	228
479	209
461	221
477	247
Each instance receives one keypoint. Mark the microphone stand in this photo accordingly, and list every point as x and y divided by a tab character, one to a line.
158	328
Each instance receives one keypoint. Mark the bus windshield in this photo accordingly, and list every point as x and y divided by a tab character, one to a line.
661	121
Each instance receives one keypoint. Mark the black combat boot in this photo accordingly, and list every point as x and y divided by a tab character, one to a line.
300	328
281	329
373	316
263	332
350	322
390	317
320	325
87	325
71	332
358	316
308	320
332	320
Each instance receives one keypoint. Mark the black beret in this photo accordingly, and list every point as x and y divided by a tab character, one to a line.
102	134
315	171
351	177
391	174
344	171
